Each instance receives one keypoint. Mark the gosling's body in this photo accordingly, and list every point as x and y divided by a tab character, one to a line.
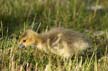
60	41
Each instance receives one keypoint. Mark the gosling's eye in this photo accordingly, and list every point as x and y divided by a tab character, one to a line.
24	40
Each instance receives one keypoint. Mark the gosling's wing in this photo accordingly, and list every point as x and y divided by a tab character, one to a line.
56	40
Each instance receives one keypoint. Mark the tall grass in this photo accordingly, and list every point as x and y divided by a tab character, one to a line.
67	13
16	15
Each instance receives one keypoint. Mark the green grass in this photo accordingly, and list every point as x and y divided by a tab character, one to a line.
18	15
13	59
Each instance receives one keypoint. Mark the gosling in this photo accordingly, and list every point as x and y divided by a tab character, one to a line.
60	41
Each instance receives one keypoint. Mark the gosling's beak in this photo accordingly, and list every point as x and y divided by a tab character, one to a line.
21	46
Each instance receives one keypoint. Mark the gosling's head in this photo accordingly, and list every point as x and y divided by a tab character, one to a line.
29	38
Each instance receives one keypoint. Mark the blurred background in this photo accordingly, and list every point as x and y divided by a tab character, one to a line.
81	15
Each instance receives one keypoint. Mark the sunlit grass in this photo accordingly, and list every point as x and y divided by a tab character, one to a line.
13	59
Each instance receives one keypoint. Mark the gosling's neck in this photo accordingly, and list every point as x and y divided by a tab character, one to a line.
40	42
